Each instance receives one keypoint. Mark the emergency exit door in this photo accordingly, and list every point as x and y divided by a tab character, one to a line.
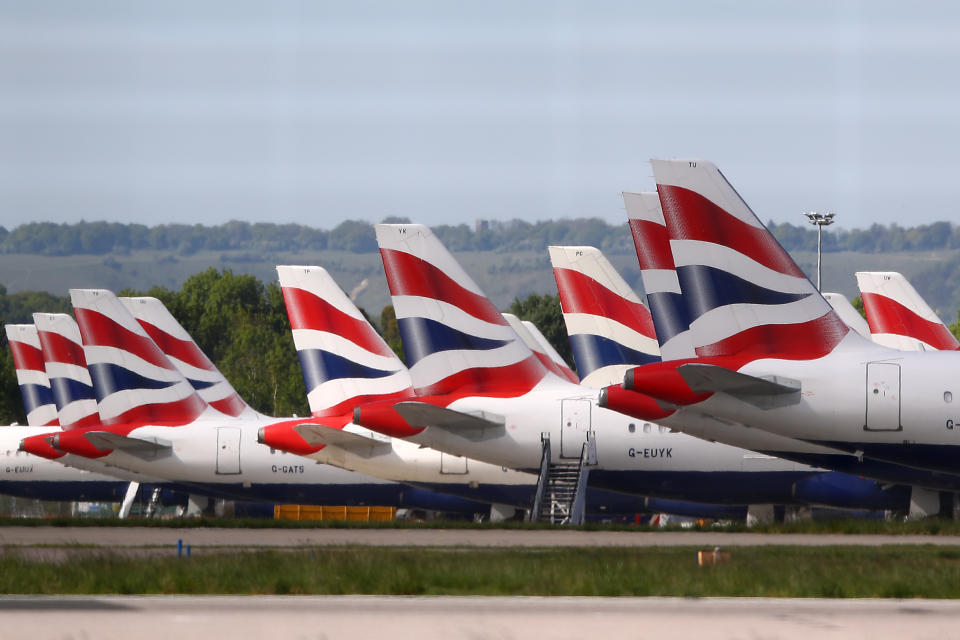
883	397
228	450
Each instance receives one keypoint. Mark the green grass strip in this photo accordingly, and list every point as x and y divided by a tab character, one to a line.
928	526
890	571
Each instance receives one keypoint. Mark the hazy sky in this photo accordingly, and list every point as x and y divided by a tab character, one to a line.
444	111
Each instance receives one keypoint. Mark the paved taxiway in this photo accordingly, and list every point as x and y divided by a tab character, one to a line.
198	538
470	618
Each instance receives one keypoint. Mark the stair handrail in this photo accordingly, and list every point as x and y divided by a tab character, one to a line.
588	458
542	478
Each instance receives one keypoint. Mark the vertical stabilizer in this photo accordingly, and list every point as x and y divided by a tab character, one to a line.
67	370
848	313
533	343
32	378
344	361
610	329
899	317
551	353
454	339
659	275
744	294
134	381
186	356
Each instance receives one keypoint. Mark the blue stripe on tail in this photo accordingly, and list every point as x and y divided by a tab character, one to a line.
113	378
592	352
707	288
422	337
319	366
35	395
67	390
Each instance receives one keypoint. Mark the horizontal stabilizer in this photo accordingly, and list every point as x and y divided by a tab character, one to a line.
143	448
361	445
475	425
765	392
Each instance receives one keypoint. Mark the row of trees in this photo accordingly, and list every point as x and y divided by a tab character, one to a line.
241	324
97	238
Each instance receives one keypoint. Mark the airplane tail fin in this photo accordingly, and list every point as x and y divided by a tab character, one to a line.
67	370
134	381
454	338
344	362
610	329
848	314
659	275
32	378
529	339
899	317
186	356
744	294
547	348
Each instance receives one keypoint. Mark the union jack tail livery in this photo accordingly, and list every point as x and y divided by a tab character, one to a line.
454	338
848	314
547	348
344	361
32	378
744	294
134	381
659	275
67	370
899	317
610	330
556	368
186	356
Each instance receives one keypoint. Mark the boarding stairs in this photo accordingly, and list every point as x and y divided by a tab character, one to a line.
153	504
562	486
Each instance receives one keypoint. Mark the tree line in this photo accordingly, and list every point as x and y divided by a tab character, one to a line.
241	323
98	238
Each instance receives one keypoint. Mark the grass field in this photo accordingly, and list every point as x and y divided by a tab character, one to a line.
928	526
834	572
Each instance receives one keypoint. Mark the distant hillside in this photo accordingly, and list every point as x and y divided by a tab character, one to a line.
100	238
508	260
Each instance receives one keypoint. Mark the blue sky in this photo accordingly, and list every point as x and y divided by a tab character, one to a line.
445	112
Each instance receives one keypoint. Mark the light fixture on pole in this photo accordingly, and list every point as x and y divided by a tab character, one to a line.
820	220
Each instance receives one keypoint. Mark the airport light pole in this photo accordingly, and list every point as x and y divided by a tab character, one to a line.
820	220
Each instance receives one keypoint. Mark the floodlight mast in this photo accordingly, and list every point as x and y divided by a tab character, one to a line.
820	220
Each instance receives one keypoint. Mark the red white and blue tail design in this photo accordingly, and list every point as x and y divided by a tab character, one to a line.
67	370
899	317
134	381
344	362
744	294
454	338
32	375
186	356
659	275
610	329
544	346
559	369
848	314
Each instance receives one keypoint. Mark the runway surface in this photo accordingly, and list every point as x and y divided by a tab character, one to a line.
470	618
200	538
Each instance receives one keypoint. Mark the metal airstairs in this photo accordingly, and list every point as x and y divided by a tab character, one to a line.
562	486
153	504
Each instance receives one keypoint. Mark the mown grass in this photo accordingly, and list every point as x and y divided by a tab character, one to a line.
900	572
928	526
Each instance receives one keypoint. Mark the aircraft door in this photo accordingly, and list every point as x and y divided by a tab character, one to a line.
450	464
883	397
574	427
228	450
